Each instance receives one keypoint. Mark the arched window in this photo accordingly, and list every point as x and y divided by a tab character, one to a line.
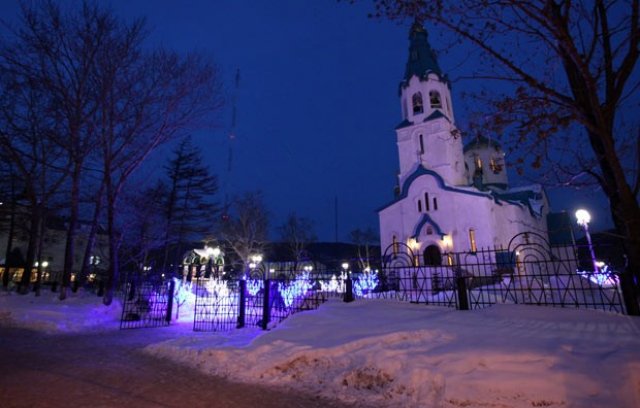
421	144
472	240
432	256
417	103
434	100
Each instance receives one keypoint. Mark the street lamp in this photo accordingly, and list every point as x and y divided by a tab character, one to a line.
254	261
584	218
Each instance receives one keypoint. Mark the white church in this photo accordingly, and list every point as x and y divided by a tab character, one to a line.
450	197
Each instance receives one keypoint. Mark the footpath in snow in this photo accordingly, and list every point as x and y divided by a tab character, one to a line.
385	353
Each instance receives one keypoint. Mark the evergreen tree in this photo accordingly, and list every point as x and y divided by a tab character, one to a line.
190	207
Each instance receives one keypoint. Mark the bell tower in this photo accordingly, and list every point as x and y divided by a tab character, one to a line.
427	135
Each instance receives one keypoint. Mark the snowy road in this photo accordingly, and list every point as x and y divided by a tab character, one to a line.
109	370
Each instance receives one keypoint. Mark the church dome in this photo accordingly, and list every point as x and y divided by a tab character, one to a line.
480	142
484	161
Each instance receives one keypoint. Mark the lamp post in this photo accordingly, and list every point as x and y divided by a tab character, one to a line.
348	292
215	260
584	218
255	260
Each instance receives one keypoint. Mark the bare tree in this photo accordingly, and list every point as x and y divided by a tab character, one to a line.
297	233
245	230
59	50
26	141
572	69
147	100
364	239
143	214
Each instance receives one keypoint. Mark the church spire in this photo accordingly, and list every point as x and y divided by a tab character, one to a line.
422	59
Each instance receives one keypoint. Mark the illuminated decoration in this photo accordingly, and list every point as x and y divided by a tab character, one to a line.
254	286
217	287
603	277
295	290
366	283
182	296
335	285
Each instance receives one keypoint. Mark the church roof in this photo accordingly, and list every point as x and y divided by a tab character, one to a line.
529	197
422	59
436	114
480	142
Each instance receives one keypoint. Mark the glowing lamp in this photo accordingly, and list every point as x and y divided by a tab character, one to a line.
583	217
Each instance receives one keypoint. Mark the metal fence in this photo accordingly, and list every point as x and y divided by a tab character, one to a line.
147	303
224	305
528	271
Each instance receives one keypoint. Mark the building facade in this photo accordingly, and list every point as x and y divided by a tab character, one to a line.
451	196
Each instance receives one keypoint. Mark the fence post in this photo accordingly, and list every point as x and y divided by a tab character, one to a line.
348	293
463	298
242	303
266	310
172	289
629	293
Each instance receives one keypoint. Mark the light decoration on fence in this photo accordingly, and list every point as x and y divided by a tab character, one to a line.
290	292
335	284
604	276
183	296
366	283
254	286
217	288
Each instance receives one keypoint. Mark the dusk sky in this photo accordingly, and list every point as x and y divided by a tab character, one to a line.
317	102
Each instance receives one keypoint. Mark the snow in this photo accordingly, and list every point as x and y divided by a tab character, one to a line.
384	353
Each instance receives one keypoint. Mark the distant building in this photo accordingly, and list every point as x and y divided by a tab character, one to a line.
450	197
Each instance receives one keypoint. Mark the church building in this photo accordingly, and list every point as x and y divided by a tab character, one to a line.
451	197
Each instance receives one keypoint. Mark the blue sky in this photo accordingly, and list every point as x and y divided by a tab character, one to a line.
317	102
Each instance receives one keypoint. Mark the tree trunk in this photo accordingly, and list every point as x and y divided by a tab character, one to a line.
91	239
71	233
38	281
7	264
34	229
114	270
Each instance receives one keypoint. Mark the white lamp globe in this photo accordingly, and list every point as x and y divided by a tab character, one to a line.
583	217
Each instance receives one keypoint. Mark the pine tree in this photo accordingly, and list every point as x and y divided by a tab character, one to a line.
190	208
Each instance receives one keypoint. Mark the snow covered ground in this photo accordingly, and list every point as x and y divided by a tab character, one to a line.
384	353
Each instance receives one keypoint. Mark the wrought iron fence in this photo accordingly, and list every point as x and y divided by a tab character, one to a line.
528	271
147	303
227	304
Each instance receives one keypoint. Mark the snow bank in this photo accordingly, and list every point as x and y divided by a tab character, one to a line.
80	312
387	353
384	353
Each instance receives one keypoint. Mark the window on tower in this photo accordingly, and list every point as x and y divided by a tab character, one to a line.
421	144
495	165
417	103
434	100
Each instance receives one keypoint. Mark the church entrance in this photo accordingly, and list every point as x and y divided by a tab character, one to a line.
432	256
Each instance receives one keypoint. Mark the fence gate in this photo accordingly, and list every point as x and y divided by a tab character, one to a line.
147	303
530	271
216	305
